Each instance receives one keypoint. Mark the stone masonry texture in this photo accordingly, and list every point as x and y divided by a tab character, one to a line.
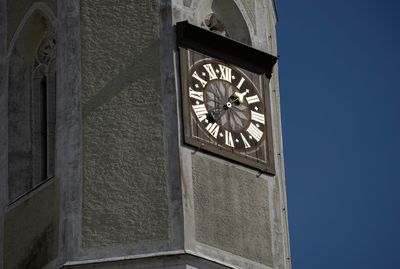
231	209
124	191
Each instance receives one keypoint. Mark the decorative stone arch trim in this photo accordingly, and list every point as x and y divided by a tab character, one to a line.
203	11
37	6
45	52
31	65
246	18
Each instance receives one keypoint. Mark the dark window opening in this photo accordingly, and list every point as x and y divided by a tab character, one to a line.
31	108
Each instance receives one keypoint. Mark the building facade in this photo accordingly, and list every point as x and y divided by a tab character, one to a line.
95	171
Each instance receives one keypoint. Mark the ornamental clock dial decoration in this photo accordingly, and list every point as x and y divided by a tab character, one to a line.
226	104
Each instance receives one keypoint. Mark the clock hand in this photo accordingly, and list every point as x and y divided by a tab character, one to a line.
236	98
239	97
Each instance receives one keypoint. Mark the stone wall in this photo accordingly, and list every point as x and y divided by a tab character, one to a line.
232	209
126	199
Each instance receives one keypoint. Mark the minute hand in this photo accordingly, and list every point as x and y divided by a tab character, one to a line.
236	98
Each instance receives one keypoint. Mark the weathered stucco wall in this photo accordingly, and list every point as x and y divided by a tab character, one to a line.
232	209
125	193
31	229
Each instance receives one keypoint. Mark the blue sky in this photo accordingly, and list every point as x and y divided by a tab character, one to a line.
340	96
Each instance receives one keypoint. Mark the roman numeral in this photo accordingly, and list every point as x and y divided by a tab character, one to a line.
246	144
211	72
226	73
229	139
202	81
200	111
257	117
255	132
213	129
196	95
240	83
252	99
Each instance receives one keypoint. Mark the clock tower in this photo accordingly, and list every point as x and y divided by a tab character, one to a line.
141	134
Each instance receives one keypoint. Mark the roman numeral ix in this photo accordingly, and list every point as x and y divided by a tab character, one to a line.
196	95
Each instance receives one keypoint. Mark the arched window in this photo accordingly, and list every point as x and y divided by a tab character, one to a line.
31	106
223	17
43	110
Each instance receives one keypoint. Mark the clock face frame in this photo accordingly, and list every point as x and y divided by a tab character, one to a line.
226	110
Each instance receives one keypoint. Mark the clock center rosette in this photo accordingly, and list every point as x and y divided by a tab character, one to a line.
229	115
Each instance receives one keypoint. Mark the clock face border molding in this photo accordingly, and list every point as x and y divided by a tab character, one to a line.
226	104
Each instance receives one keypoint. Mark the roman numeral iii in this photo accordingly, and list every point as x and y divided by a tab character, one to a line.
257	117
252	99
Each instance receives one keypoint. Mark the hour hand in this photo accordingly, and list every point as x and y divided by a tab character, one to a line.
237	98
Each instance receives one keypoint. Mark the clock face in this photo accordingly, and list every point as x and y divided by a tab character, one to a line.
226	105
226	110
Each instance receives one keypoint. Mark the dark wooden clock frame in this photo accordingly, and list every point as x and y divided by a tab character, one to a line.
195	40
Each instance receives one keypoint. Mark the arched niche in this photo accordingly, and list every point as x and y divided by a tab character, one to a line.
223	17
31	104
